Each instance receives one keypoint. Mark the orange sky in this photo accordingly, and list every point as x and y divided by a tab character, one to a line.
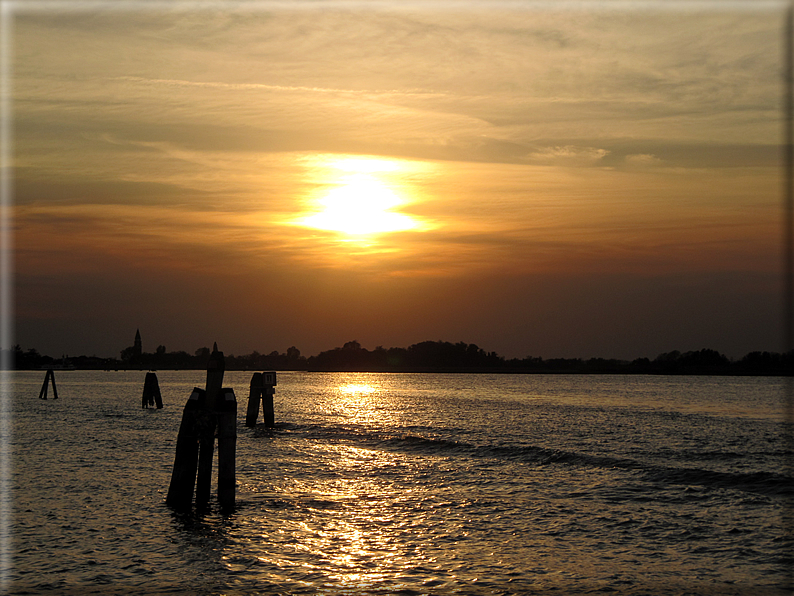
538	179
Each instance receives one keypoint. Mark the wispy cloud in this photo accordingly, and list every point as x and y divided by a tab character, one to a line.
568	154
168	143
263	87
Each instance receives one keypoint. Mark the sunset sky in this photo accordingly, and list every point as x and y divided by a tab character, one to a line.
546	179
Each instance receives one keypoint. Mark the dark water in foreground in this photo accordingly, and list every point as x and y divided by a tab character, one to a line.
410	484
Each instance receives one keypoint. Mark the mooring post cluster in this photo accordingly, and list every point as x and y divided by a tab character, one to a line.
262	388
207	411
49	376
151	392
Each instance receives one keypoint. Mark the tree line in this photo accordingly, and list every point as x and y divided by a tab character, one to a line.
427	356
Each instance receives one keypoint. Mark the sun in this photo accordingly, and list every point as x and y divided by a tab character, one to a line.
362	205
358	200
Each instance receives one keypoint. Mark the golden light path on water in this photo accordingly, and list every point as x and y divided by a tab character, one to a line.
410	483
359	197
352	388
363	520
359	401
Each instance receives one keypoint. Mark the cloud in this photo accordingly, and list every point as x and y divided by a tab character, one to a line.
29	188
642	159
568	155
423	82
163	145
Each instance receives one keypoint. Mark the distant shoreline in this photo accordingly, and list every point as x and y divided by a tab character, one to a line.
426	357
444	371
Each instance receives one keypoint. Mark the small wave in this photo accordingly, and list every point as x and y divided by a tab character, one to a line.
415	443
303	500
766	483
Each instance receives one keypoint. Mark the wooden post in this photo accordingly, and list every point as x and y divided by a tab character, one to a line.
151	392
207	410
261	388
215	368
267	406
227	449
269	381
49	376
158	398
254	395
207	421
45	386
147	382
183	478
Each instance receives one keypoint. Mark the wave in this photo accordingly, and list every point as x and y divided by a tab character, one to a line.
766	483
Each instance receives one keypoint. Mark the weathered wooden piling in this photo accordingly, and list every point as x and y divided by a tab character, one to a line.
262	388
269	379
214	408
207	423
151	392
227	449
254	396
183	477
49	376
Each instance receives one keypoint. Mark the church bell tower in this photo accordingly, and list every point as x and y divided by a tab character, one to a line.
137	345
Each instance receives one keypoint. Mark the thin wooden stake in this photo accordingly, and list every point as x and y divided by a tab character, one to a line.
45	386
49	376
254	395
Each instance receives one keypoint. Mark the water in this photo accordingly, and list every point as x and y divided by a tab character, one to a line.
410	484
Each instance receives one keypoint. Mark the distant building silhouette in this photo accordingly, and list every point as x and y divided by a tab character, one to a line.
137	348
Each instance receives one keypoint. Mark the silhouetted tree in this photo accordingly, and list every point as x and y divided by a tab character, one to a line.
130	355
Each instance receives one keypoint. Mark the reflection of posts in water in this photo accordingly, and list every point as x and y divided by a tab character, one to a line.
49	376
206	410
262	387
151	392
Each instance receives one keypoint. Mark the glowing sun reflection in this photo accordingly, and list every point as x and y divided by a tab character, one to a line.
352	388
362	399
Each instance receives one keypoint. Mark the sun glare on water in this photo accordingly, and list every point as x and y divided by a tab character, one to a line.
360	200
357	389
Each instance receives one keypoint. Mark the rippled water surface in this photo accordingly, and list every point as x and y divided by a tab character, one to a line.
411	484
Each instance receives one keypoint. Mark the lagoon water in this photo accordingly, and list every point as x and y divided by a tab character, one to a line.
410	484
